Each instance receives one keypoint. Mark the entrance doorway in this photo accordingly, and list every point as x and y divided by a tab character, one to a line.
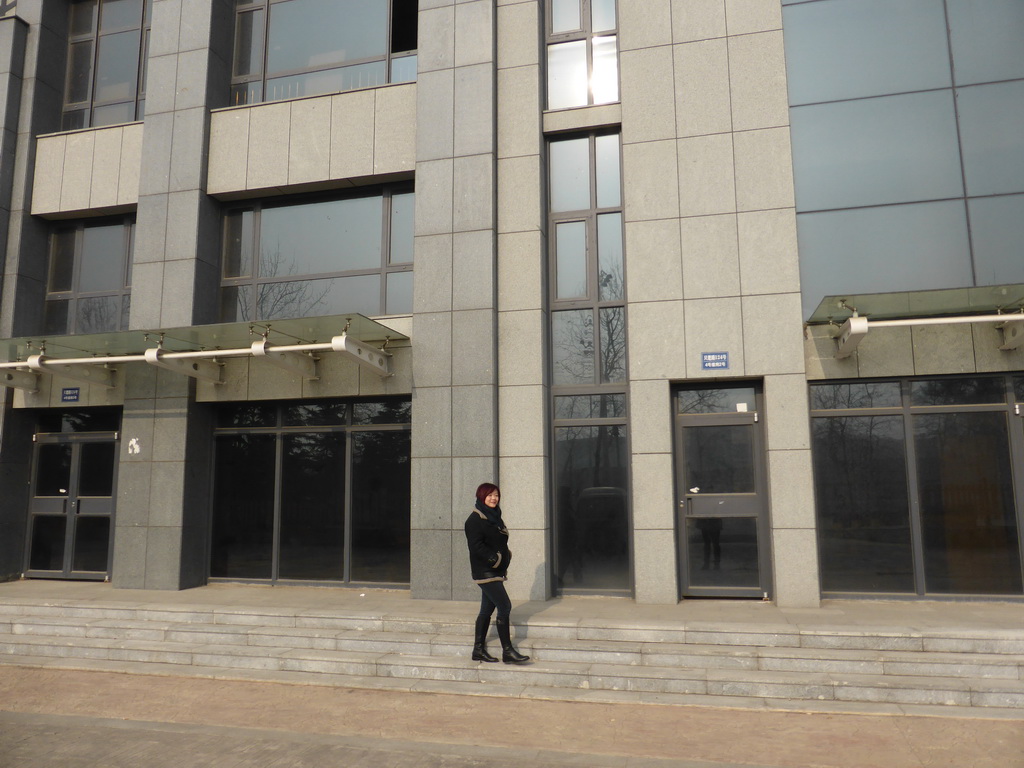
722	511
71	505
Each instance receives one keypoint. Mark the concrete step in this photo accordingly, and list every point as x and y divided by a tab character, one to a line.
543	673
767	658
681	661
663	634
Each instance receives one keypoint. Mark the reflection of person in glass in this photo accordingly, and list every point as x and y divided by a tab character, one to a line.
711	531
489	556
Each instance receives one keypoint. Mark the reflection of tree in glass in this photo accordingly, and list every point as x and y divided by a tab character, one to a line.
574	344
704	400
294	298
98	315
397	412
856	395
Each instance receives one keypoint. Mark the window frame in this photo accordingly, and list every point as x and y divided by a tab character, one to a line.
586	34
591	300
254	281
281	430
606	415
74	295
251	88
71	110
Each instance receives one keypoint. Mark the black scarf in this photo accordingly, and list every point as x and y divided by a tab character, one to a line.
493	514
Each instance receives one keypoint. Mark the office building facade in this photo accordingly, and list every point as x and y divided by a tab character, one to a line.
725	294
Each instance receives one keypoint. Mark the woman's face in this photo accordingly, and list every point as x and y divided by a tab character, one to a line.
492	499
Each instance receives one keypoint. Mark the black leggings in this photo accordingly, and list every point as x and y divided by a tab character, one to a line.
495	596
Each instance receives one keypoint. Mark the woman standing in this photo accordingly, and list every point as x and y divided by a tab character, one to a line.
489	557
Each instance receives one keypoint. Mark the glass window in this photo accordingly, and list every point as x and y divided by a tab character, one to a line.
403	209
318	257
89	284
567	74
845	49
570	175
565	16
592	535
572	341
969	527
588	335
894	149
588	353
108	43
611	279
321	46
613	344
312	527
243	507
997	237
571	259
381	488
974	391
729	400
590	406
323	237
991	119
987	36
862	502
891	248
583	67
315	414
891	103
315	499
856	394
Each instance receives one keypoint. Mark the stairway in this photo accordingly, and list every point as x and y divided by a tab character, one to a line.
815	668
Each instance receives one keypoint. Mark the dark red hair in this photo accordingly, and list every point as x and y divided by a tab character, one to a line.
486	489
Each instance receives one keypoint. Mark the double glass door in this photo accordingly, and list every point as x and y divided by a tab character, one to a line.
721	498
71	508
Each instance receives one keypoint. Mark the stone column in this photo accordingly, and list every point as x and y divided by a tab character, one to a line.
454	336
160	538
523	432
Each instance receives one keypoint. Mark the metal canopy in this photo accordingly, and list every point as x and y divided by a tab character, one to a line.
854	315
197	351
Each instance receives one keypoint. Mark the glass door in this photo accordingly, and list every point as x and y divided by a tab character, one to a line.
71	508
721	500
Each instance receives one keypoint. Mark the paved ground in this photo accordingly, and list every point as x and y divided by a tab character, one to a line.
72	719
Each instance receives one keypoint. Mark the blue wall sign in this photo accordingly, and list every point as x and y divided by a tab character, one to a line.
710	361
70	394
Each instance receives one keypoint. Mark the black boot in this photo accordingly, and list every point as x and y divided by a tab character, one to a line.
480	642
509	654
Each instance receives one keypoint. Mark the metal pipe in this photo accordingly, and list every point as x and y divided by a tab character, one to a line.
203	353
1015	318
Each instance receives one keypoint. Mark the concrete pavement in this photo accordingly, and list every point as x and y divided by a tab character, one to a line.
72	719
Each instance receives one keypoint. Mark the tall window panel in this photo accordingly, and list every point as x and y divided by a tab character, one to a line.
587	303
908	158
918	485
582	53
286	49
318	256
88	288
108	43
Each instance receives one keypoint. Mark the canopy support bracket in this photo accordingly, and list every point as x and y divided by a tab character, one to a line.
301	363
88	374
195	367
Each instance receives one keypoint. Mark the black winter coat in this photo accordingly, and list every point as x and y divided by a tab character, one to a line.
488	549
